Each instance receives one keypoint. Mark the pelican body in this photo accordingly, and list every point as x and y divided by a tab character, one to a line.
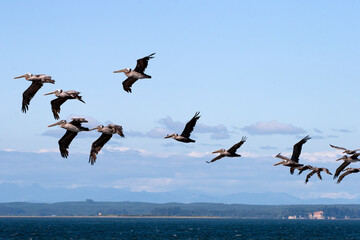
107	132
73	128
231	152
317	171
185	135
137	73
61	98
347	151
37	82
293	162
347	172
347	160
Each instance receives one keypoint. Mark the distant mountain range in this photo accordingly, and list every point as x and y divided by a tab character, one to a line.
35	193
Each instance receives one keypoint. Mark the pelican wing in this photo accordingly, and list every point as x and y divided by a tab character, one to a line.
309	176
297	149
327	171
304	168
77	123
341	148
319	175
118	129
142	63
282	157
29	94
97	146
355	156
236	146
292	169
190	126
344	175
128	83
340	168
55	105
65	141
216	158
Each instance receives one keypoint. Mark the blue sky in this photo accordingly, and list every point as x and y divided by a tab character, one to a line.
273	71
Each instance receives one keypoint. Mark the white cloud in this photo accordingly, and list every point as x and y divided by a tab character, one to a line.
272	127
47	150
118	149
321	157
336	195
198	154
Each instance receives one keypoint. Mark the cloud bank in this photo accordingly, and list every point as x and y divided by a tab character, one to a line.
272	127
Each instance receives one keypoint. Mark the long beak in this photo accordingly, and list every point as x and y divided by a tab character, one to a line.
278	163
218	151
20	76
168	136
122	70
339	159
50	93
93	128
58	123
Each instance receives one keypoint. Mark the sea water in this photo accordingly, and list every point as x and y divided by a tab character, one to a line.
174	228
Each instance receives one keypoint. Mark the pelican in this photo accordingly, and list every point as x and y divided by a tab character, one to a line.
303	168
37	83
317	171
293	162
231	152
72	128
347	151
185	135
61	98
106	135
137	73
347	160
348	171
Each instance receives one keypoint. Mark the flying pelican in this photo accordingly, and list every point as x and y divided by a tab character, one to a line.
293	162
317	171
137	73
185	135
303	168
72	128
347	151
61	98
37	83
231	152
348	171
347	160
106	135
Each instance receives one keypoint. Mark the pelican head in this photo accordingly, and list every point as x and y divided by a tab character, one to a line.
342	158
219	151
26	76
125	70
58	123
97	127
171	135
54	92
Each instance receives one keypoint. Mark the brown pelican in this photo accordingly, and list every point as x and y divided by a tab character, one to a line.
293	162
317	171
185	135
37	83
61	98
348	171
72	128
303	168
347	151
137	73
347	161
231	152
106	135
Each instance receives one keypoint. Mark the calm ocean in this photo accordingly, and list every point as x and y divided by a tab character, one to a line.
135	228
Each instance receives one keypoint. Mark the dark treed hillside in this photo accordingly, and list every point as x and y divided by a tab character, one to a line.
91	208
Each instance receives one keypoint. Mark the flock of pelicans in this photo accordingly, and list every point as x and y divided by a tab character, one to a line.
74	127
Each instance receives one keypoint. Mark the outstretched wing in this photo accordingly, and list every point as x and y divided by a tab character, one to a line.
340	168
190	126
344	175
297	149
282	157
128	83
97	146
55	106
118	129
236	146
216	158
309	176
327	171
77	123
341	148
65	141
304	168
142	63
319	175
29	94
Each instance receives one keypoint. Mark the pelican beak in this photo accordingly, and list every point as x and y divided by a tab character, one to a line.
20	76
58	123
50	93
278	163
218	151
94	128
339	159
122	70
168	136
